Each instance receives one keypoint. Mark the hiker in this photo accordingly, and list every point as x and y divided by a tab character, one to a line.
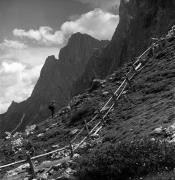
52	108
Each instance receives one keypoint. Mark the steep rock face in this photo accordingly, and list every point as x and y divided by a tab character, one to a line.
55	82
140	20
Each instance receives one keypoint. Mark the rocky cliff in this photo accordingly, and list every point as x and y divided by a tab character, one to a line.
140	20
55	82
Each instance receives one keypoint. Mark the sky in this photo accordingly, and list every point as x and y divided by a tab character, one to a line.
31	30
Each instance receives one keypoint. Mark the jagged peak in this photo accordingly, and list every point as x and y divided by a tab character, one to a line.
79	35
50	59
49	65
76	44
13	104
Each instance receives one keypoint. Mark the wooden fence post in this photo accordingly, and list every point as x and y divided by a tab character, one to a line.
32	171
87	129
101	117
153	48
114	99
134	69
128	81
71	149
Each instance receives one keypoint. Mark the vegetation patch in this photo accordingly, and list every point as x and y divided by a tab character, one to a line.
85	111
127	160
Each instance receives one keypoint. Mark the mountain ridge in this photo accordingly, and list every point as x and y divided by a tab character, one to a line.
55	81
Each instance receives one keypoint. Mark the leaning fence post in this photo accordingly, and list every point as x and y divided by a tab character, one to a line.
134	69
71	149
31	165
153	49
128	81
101	117
87	129
114	98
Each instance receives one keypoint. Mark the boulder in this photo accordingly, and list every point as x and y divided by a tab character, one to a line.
96	83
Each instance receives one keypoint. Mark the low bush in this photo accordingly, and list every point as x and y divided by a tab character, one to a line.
126	160
85	111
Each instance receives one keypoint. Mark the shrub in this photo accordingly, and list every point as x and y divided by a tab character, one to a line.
85	111
127	160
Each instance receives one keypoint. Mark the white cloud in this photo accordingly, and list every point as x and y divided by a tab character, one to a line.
3	107
31	34
11	67
31	55
97	23
44	35
17	82
12	44
103	4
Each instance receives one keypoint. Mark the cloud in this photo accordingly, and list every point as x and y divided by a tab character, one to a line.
97	23
12	67
103	4
44	35
12	44
31	55
17	82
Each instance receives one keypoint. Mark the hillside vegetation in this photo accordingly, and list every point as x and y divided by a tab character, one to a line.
136	140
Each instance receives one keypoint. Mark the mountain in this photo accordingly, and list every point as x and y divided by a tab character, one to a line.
55	82
140	20
129	137
136	140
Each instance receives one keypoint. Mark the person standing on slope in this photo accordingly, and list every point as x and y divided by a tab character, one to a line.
52	107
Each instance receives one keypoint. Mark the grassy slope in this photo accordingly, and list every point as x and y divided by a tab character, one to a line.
153	106
154	101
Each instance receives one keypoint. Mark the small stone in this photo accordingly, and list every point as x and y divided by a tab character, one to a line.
40	135
73	132
105	93
153	139
157	130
